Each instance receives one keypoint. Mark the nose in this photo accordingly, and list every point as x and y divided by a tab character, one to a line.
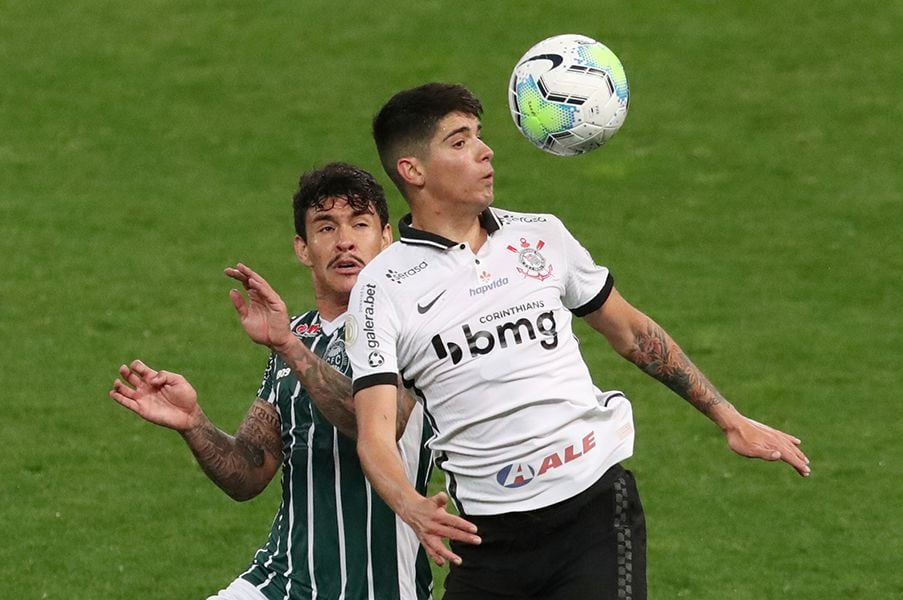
486	153
345	239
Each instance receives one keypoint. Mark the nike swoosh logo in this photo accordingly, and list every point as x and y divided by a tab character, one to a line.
555	59
422	309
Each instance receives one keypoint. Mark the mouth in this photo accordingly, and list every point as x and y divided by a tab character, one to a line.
347	265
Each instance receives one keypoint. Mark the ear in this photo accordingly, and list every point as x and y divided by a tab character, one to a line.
411	171
301	251
387	237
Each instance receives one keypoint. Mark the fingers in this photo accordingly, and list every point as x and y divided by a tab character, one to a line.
438	552
128	375
436	523
238	301
144	371
797	459
258	289
237	275
124	396
786	448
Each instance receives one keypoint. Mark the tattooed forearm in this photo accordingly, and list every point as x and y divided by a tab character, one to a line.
659	356
236	464
331	392
261	430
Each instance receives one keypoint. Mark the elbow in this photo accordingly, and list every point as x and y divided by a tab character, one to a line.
244	495
245	492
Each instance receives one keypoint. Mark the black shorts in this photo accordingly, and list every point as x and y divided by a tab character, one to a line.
591	546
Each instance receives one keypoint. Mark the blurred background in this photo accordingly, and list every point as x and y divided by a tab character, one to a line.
751	204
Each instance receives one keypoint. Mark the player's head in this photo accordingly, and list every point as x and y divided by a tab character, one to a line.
406	124
318	189
342	222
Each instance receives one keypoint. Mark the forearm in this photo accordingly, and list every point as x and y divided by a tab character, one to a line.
238	465
657	354
377	450
383	467
329	389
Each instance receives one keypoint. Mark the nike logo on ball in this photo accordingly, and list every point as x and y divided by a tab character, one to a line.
422	309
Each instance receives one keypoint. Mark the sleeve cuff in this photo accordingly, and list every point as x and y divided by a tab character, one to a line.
598	300
375	379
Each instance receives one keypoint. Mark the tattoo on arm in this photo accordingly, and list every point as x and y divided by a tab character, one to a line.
331	392
659	356
234	463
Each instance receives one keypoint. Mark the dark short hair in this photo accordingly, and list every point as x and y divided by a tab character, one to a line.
318	188
406	123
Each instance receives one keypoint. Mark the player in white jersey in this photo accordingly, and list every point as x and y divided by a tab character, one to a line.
332	537
473	308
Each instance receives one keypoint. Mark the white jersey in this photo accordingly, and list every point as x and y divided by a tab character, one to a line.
485	342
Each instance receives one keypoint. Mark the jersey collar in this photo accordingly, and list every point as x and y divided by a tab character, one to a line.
410	235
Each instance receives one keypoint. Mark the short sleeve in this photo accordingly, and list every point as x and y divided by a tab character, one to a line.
587	285
371	334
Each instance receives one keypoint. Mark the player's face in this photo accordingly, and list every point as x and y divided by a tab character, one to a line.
339	243
458	168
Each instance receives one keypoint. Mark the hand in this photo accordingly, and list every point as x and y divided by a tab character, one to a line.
263	316
756	440
160	397
431	522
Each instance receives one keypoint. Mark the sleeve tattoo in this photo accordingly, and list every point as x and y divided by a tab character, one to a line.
234	463
659	356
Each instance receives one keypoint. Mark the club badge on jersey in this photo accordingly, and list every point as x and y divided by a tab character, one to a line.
533	263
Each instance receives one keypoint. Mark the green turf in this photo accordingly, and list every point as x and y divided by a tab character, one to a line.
751	204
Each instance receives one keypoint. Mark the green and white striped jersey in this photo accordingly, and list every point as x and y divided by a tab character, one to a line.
333	537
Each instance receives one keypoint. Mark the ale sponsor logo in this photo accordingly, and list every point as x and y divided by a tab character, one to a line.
517	475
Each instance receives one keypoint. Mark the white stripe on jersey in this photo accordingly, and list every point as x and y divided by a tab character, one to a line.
291	502
369	539
310	511
408	544
341	517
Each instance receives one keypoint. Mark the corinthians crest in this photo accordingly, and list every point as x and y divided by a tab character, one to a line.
532	263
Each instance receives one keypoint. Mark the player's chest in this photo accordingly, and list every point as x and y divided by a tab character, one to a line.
510	276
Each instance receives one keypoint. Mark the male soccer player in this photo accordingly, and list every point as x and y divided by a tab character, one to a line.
473	307
332	537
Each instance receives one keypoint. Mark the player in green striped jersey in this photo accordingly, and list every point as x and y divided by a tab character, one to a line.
333	537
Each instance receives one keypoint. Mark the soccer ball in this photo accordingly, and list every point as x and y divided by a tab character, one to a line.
568	94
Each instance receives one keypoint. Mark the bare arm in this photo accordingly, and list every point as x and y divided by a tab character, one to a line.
383	466
643	342
264	318
242	465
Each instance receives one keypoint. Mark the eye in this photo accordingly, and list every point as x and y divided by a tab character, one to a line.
326	229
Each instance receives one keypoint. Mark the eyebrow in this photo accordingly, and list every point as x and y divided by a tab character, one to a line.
462	129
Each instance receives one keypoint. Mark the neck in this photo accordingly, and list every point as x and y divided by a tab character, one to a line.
330	308
462	225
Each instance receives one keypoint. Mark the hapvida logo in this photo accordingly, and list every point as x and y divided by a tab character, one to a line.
501	281
520	474
482	341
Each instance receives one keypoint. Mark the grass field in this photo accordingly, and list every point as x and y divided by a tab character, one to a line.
751	204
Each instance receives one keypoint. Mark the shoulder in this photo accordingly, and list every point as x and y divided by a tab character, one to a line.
510	218
305	323
398	263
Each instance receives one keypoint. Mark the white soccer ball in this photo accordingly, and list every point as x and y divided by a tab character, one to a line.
568	94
